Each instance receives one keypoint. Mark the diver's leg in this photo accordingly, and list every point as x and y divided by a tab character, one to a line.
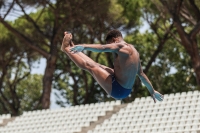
103	77
86	58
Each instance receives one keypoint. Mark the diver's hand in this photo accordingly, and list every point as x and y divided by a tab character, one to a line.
77	48
158	96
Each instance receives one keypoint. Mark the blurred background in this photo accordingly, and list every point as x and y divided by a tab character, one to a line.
35	74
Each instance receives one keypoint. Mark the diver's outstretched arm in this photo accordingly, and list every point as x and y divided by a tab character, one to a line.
147	83
113	47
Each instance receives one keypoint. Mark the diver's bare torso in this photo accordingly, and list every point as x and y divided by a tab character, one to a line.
126	65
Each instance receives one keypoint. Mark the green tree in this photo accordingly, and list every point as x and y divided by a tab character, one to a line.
42	32
185	17
29	91
15	67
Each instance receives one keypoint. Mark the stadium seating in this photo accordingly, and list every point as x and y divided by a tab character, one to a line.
65	120
178	113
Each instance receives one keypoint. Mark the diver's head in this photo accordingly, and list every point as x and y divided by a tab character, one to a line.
114	36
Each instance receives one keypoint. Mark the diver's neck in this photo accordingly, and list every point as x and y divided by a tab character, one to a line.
120	41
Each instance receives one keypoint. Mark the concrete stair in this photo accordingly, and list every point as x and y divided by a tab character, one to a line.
5	121
102	118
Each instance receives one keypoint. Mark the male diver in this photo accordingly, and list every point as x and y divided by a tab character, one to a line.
117	82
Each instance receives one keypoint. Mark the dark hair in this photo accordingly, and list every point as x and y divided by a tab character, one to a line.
113	33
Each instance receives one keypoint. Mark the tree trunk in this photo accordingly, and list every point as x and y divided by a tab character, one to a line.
195	57
191	47
196	66
190	44
47	81
188	40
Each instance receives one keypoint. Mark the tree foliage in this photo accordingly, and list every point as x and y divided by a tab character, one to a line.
33	35
15	66
185	17
42	32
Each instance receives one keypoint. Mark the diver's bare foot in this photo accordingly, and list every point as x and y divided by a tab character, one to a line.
67	41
